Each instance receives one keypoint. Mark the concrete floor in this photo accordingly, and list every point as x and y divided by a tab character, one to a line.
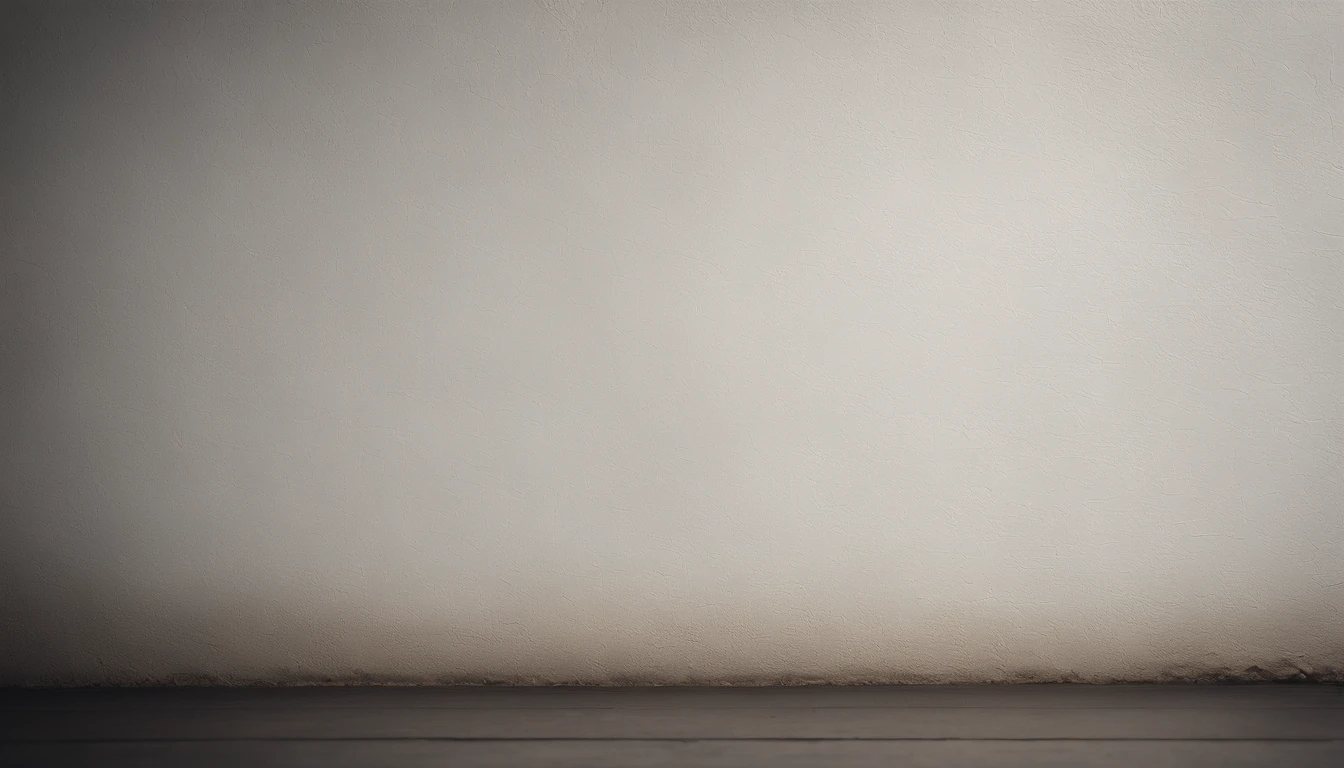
1152	726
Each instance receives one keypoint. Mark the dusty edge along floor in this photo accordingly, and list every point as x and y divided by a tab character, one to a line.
1029	725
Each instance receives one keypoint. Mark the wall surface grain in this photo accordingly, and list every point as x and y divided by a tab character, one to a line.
670	342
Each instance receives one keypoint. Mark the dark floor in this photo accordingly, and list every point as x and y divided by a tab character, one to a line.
1147	726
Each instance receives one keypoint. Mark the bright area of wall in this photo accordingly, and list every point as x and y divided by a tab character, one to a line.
672	341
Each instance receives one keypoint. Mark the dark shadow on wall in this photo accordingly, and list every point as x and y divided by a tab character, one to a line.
62	633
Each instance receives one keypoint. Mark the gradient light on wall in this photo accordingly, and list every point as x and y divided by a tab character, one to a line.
671	341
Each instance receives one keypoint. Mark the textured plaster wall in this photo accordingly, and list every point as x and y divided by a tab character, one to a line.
671	341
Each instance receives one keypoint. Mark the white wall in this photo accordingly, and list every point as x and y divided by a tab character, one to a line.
671	341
